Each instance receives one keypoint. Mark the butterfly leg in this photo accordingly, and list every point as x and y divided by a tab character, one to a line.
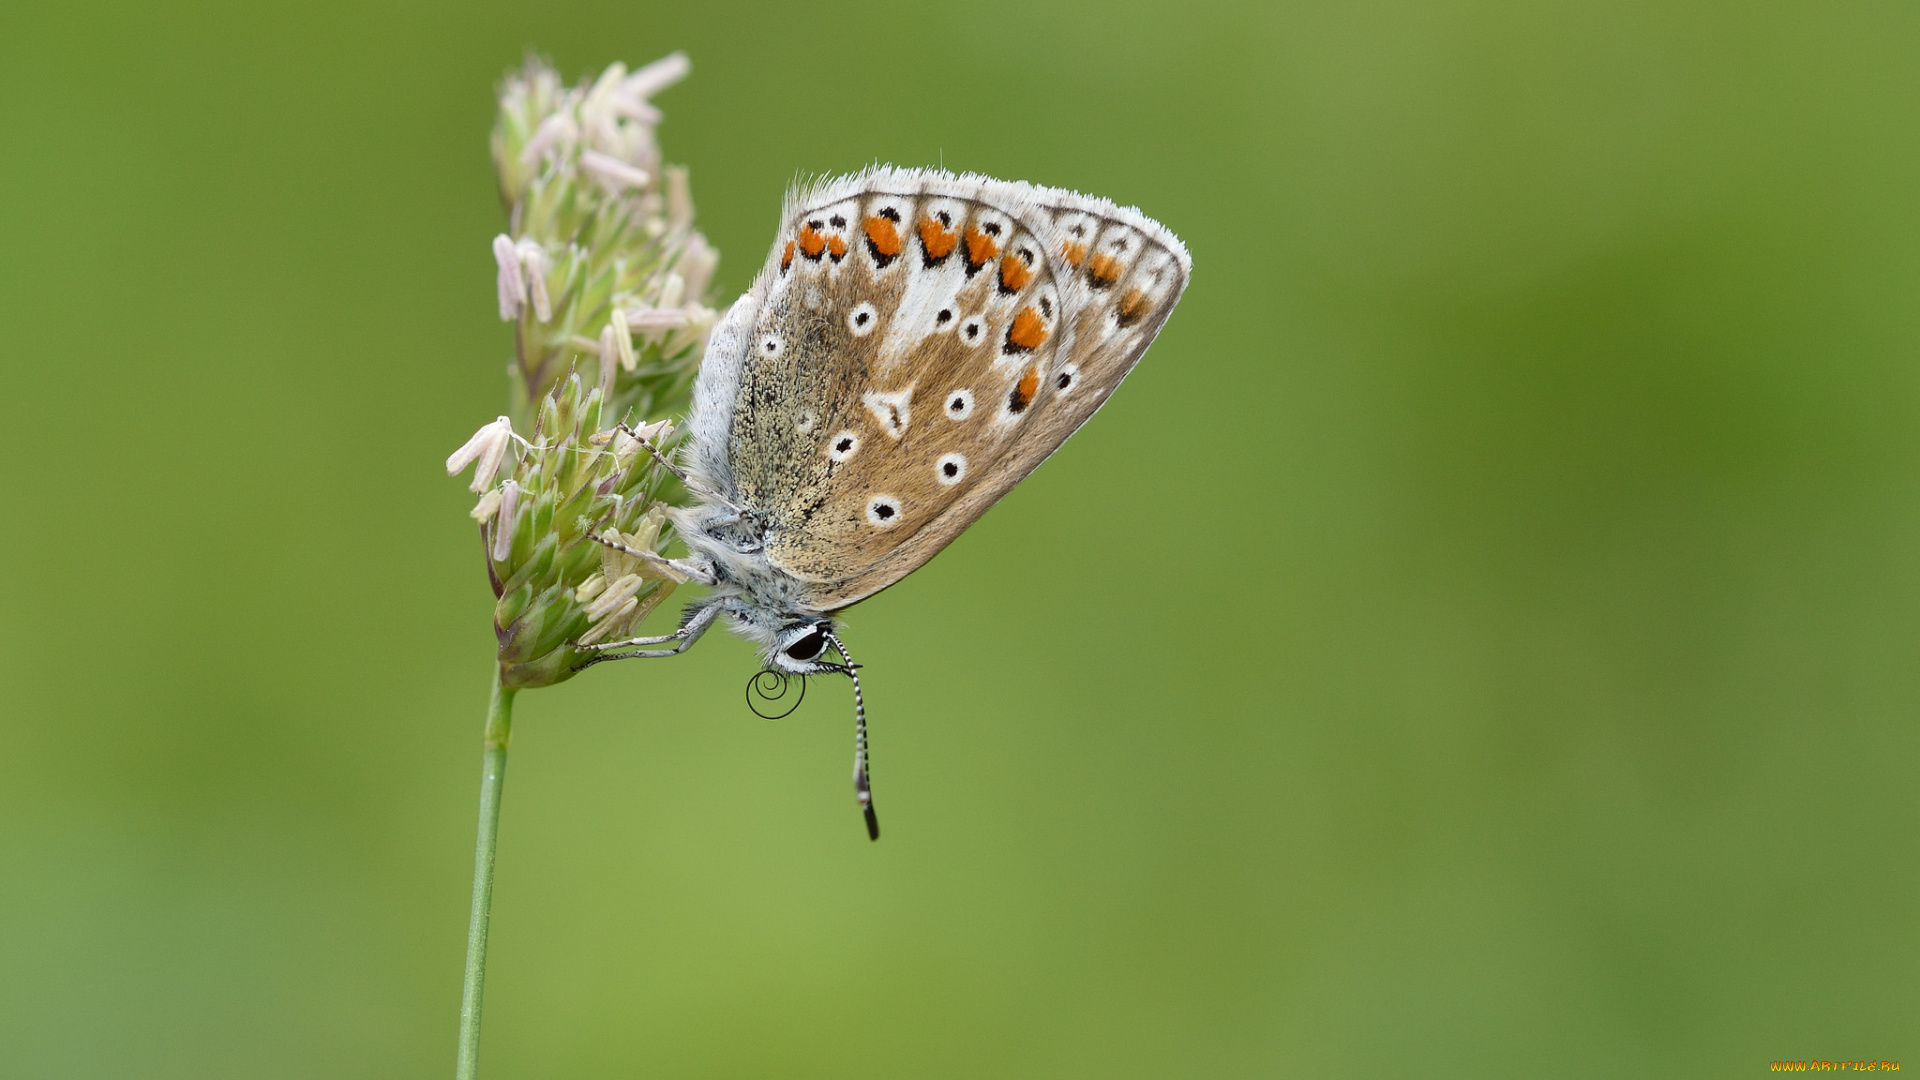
685	569
678	473
682	638
665	462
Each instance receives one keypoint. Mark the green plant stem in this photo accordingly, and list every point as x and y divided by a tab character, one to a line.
493	773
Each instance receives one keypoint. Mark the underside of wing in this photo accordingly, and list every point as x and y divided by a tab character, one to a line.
918	343
1116	276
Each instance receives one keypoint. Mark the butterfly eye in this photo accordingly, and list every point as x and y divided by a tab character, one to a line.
808	647
843	446
972	330
945	317
1067	377
771	346
959	404
861	320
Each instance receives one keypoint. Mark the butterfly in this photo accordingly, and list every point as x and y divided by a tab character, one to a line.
916	344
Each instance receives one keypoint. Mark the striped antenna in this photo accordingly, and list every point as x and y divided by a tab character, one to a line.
862	781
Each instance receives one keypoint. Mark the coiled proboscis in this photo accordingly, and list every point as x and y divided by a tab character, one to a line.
771	685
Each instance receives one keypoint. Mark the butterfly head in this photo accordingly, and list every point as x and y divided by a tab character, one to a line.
801	648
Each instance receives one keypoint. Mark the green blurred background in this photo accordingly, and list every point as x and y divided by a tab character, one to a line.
1479	639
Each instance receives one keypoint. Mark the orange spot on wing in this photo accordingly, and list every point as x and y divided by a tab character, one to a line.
1014	274
1028	332
936	239
883	236
1104	270
786	257
1075	254
980	247
837	247
811	242
1133	307
1022	395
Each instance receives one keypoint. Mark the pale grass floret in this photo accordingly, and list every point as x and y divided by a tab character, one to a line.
623	339
523	276
656	76
511	288
640	112
647	320
488	447
612	172
503	522
556	135
617	593
700	320
599	119
696	265
673	288
679	197
615	122
614	621
488	503
535	266
609	360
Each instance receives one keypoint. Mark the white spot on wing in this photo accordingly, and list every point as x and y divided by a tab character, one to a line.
951	468
973	330
890	409
883	511
959	405
1066	379
862	319
843	446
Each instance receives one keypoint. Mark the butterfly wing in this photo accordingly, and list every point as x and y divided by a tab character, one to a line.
917	344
